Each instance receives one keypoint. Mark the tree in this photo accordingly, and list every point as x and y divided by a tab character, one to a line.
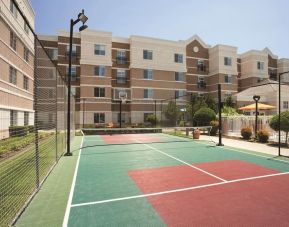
284	123
152	118
229	111
172	112
229	102
211	102
204	116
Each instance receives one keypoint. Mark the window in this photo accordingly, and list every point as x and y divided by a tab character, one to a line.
26	28
99	49
201	82
25	83
201	65
228	79
260	65
12	75
121	76
285	104
73	49
13	117
99	71
120	57
179	94
147	54
26	54
53	53
148	93
51	73
179	76
13	40
26	118
178	58
99	92
148	74
13	9
73	73
227	61
73	91
99	118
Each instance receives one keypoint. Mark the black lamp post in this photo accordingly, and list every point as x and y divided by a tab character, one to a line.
256	98
83	19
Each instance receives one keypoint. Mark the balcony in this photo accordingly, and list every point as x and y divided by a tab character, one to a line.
201	68
121	60
201	84
121	80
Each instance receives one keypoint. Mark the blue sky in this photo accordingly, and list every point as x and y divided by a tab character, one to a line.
246	24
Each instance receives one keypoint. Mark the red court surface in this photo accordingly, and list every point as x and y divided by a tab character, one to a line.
129	138
255	202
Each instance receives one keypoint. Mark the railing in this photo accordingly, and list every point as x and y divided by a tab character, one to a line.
121	80
74	55
202	85
201	68
121	60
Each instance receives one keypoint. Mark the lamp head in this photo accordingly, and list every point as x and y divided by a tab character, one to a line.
82	17
83	27
256	97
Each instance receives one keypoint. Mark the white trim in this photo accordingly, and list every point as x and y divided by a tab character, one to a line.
158	88
13	85
69	202
170	81
16	94
16	108
67	44
206	59
114	48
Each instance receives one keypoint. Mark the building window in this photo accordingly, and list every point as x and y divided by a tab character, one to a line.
178	58
13	9
73	91
228	79
148	74
99	49
99	118
179	76
26	28
13	117
25	83
99	92
12	75
26	54
51	93
121	76
73	51
99	71
120	57
13	40
201	65
201	82
285	104
148	93
227	61
260	65
73	73
53	53
147	54
179	94
26	118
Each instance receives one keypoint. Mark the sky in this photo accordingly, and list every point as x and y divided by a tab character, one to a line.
246	24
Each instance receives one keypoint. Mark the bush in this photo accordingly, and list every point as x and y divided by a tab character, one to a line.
204	116
18	131
152	118
246	133
263	136
215	128
31	128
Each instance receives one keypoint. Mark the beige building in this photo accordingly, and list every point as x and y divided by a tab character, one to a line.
17	66
150	70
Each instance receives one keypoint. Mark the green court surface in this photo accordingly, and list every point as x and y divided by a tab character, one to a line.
160	180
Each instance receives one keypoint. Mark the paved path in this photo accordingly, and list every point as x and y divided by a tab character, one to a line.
252	146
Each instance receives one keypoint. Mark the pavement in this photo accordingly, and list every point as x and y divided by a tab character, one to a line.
251	146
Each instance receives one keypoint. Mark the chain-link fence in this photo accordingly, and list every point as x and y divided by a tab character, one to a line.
32	125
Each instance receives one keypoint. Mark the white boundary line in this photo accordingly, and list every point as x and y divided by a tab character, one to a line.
69	202
212	175
176	190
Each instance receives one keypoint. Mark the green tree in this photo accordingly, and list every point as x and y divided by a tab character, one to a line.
172	112
284	123
152	118
229	102
229	111
204	116
211	102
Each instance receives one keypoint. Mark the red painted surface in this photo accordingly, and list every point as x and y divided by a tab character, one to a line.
258	202
129	138
234	169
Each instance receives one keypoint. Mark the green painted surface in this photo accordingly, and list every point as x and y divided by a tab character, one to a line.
48	206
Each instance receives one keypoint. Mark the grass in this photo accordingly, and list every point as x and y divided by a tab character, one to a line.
18	176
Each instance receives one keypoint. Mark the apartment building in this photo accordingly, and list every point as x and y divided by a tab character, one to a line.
150	70
16	63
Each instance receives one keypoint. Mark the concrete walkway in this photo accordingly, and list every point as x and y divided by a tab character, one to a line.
251	146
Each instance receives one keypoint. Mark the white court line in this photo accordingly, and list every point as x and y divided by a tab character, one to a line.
177	159
176	190
69	202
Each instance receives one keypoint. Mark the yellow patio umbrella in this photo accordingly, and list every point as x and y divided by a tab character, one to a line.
261	106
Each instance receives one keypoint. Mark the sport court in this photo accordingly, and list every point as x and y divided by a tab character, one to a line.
163	180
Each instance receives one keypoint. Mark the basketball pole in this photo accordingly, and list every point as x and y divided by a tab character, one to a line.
220	115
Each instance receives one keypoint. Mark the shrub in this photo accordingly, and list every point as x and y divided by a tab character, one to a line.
263	136
246	133
18	131
215	128
152	118
31	128
284	123
204	116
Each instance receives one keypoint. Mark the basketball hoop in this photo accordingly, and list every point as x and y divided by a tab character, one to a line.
123	96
